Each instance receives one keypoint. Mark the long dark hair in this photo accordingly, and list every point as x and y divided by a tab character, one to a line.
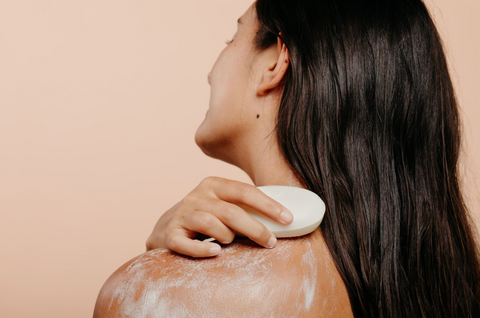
369	121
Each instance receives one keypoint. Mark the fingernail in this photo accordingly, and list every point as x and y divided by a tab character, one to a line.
215	250
271	242
286	217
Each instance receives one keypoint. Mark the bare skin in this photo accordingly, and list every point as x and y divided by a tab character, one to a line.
295	279
180	276
239	129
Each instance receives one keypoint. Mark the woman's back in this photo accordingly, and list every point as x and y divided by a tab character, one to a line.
295	279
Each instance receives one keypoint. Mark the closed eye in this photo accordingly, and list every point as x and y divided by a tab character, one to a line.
228	42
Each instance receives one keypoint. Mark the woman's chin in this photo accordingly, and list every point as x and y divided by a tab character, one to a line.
200	134
203	139
211	143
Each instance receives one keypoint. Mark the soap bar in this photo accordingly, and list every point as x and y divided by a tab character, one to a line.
306	206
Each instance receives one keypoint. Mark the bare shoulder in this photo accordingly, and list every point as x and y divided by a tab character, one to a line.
297	278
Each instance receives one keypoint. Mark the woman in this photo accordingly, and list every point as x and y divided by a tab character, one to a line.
352	100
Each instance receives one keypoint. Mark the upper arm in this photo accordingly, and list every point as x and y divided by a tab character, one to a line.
104	306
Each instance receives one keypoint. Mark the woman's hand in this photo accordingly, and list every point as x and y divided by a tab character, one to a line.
210	209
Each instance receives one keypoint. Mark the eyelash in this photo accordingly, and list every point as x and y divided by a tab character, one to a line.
228	42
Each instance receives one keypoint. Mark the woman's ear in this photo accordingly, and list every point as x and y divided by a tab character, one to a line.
274	74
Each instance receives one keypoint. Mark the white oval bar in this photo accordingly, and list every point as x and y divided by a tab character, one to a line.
306	206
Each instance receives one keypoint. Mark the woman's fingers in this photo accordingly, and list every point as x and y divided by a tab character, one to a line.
181	244
243	193
233	218
238	220
209	224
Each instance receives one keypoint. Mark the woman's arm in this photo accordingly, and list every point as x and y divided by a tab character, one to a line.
295	279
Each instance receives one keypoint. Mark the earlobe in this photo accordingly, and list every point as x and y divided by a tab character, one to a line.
277	71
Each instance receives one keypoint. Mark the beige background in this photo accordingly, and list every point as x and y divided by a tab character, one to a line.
99	103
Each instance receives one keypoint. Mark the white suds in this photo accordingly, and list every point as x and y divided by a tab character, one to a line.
309	261
331	300
254	277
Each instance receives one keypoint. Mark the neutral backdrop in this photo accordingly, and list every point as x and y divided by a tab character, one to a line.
99	104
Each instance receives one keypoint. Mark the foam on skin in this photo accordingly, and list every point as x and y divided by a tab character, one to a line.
245	280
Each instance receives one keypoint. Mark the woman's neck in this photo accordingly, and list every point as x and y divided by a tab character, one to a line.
265	164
